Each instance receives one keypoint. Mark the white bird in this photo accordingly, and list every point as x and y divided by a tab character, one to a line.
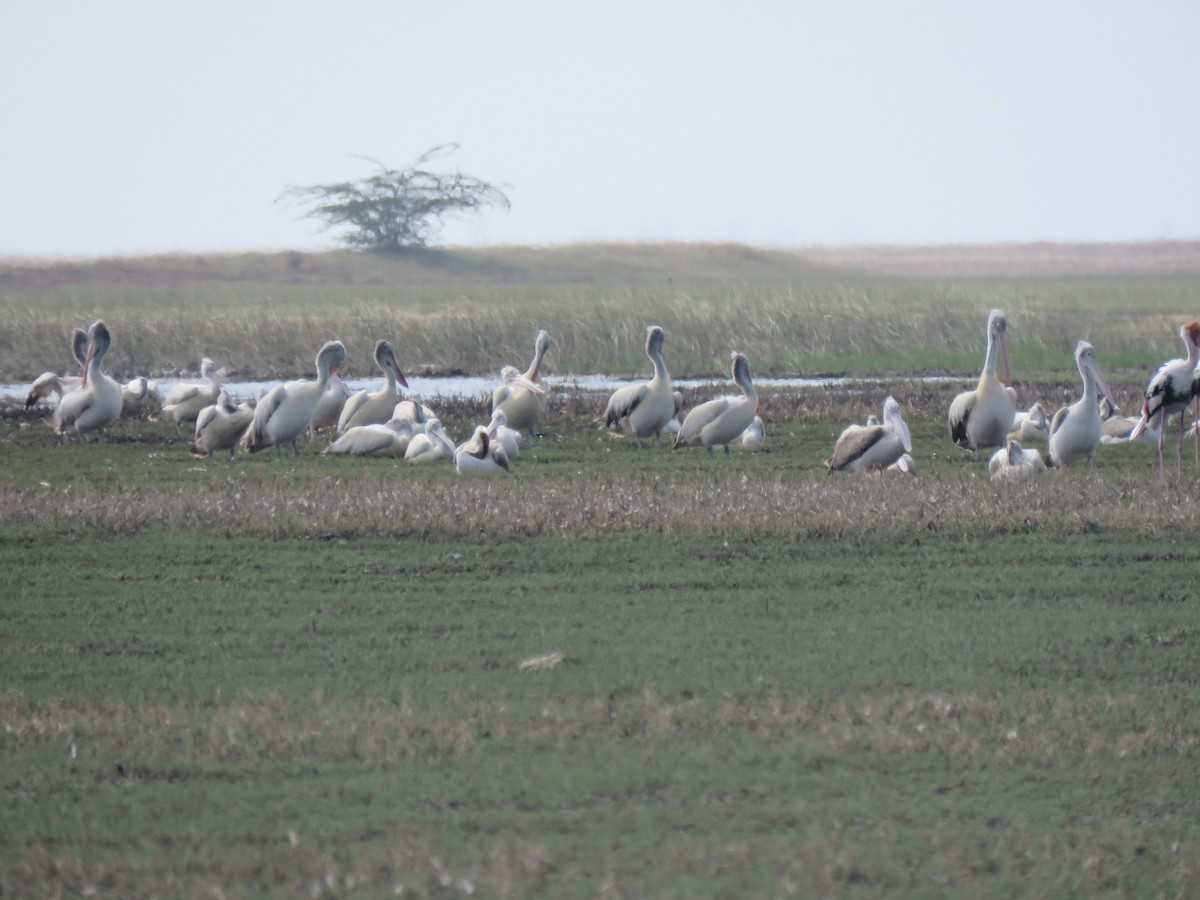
185	400
642	410
389	440
983	417
96	403
431	444
861	448
754	437
220	426
522	396
1031	425
1116	428
905	465
509	438
416	413
1075	430
375	407
1012	461
1169	392
330	406
723	420
50	383
480	454
284	413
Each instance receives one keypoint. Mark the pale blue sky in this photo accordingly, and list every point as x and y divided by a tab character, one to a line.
149	127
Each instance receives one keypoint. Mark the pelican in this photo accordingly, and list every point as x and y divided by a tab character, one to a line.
331	404
1012	461
721	421
1169	392
376	407
389	440
220	426
753	437
1031	425
861	448
480	454
1075	430
96	403
983	417
642	410
905	465
523	396
509	439
431	444
417	413
284	413
1115	427
184	401
50	383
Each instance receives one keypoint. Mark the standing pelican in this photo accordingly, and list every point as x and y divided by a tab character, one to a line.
861	448
480	454
983	417
642	410
522	397
185	400
284	413
220	426
721	421
430	445
376	407
96	403
1012	461
1075	430
1169	392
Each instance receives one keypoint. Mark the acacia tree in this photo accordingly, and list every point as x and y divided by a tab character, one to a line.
396	209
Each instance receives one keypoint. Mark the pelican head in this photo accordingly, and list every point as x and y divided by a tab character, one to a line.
385	358
656	336
1085	361
99	340
79	342
740	368
499	420
997	336
331	355
512	377
893	420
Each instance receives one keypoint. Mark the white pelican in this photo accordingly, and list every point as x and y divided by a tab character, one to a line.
1012	461
96	403
331	404
389	440
754	437
1116	428
1031	425
861	448
1169	392
221	426
983	417
721	421
523	397
480	454
284	413
431	444
509	439
1075	430
185	400
642	410
50	383
375	407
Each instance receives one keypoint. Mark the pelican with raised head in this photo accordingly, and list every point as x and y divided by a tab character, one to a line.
480	454
283	414
220	426
185	400
861	448
1014	462
723	420
523	396
983	417
50	383
1169	392
375	407
1075	430
96	403
643	410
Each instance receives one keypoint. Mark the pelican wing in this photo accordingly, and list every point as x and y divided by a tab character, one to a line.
1060	419
960	413
353	403
256	434
71	407
369	440
699	418
853	444
622	404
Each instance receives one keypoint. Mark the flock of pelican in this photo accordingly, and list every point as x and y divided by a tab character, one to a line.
383	423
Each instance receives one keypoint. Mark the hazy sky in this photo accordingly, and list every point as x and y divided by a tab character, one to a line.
148	127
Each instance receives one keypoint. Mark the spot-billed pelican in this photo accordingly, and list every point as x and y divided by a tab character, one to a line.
389	440
431	444
375	407
1012	461
905	465
509	439
480	454
220	426
523	397
185	400
1076	429
1169	392
50	383
284	413
754	437
416	413
96	403
861	448
1116	427
642	410
1031	425
331	404
983	417
723	420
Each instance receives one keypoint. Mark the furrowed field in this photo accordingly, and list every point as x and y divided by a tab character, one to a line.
303	677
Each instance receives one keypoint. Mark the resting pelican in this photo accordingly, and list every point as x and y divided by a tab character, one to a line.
1116	428
1169	392
220	426
523	397
389	440
861	448
508	438
284	413
1075	430
1012	461
431	444
983	417
331	404
905	465
642	410
184	401
96	403
480	454
721	421
417	413
375	407
754	437
1031	425
50	383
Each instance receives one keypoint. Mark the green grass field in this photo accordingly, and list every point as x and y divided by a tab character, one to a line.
304	677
